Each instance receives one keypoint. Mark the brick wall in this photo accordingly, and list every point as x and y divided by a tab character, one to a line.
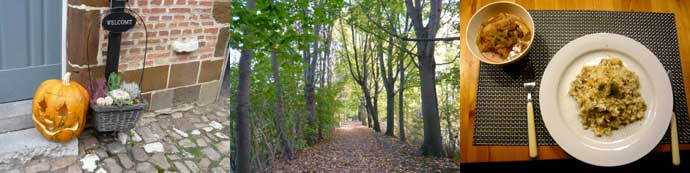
170	78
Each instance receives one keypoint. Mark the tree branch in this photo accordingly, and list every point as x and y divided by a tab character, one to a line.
364	10
415	63
355	74
381	37
450	62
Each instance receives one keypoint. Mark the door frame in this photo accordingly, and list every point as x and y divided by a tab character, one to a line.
64	37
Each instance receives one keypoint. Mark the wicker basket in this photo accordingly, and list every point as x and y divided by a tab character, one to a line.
116	118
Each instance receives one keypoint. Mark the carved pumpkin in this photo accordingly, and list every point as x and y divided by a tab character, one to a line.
59	109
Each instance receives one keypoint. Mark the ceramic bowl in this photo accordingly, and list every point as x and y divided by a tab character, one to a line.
484	14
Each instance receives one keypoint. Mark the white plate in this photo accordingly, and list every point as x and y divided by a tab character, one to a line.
560	112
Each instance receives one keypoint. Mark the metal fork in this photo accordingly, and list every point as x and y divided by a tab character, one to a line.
531	133
675	151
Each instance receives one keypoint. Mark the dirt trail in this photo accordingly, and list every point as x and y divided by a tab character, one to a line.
356	148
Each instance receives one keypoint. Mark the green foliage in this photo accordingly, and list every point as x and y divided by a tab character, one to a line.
123	94
121	98
275	20
132	89
122	102
113	81
327	106
262	105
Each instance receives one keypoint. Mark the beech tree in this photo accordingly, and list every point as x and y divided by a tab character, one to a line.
361	67
245	71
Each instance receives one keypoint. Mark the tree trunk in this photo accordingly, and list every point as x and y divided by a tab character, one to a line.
245	71
449	127
363	113
389	84
359	69
243	147
359	114
368	114
401	112
278	119
309	88
432	129
372	114
432	144
375	107
371	101
375	98
326	56
390	110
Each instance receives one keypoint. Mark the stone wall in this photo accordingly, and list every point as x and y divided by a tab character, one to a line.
170	78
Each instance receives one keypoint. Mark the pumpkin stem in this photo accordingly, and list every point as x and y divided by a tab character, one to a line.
65	78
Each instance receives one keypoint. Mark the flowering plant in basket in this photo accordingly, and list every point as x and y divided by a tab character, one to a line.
116	93
116	105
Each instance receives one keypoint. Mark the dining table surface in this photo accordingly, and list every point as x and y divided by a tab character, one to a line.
469	71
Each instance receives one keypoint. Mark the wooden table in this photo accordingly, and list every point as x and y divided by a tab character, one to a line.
469	71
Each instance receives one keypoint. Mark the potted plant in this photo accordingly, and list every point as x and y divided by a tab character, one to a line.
115	105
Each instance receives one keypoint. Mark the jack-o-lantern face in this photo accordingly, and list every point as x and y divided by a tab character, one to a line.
59	109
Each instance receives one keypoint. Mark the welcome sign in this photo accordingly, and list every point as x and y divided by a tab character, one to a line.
119	22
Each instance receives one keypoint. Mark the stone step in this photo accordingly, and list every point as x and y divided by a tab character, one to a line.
15	116
20	147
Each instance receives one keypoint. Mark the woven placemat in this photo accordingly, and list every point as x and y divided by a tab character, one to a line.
501	117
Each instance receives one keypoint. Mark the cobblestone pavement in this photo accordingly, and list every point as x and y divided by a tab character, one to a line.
184	139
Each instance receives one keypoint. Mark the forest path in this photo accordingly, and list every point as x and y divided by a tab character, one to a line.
356	148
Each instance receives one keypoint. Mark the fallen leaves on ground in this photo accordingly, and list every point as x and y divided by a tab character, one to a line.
356	148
